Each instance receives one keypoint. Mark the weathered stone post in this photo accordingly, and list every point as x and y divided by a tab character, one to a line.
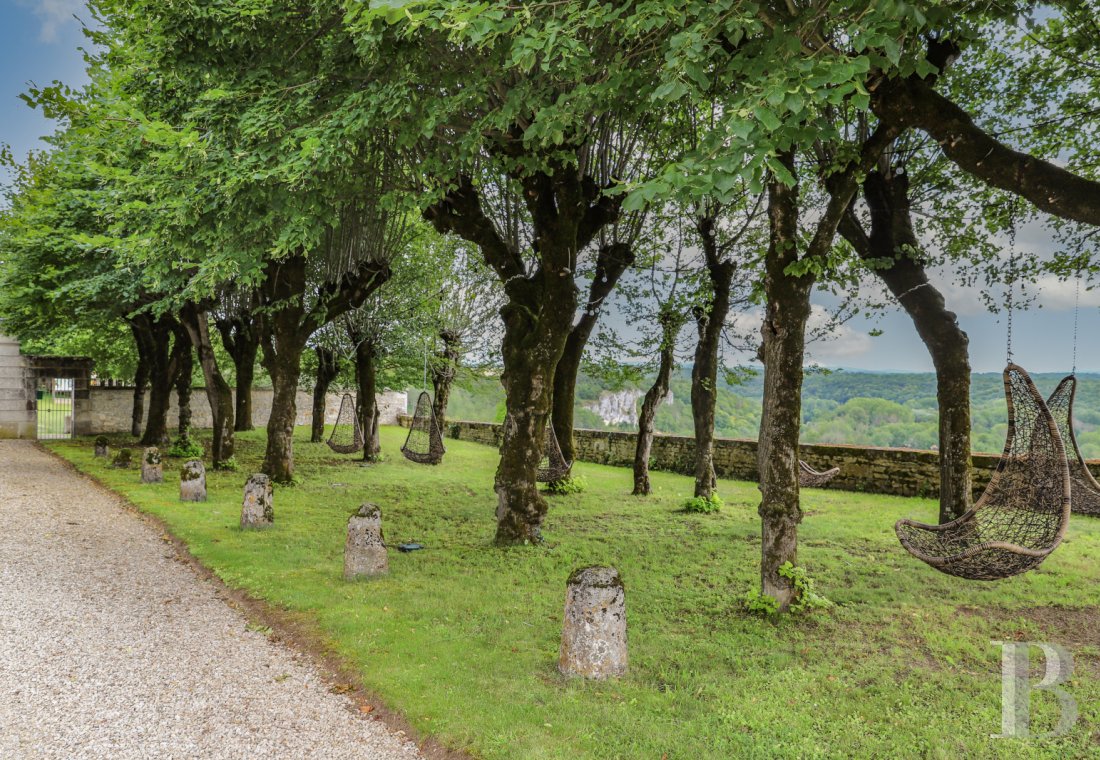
102	447
123	459
593	636
365	549
193	481
152	471
257	511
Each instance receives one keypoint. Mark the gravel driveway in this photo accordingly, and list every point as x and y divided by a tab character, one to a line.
112	648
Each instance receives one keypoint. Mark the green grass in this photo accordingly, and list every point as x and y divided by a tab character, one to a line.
463	637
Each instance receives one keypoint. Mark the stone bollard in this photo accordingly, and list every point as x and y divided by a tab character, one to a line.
152	471
102	447
593	636
257	511
365	549
123	459
193	481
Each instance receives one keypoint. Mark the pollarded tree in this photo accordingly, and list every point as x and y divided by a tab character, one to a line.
254	183
496	102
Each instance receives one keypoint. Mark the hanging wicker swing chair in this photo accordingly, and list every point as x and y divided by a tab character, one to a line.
553	466
1084	490
808	477
424	444
346	436
1022	515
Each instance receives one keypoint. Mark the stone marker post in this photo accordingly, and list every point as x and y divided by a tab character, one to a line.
365	550
123	459
593	636
257	511
152	471
193	481
102	447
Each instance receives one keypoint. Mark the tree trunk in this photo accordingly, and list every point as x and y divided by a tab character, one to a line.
218	393
328	367
366	357
784	335
893	240
711	319
567	210
141	379
241	338
443	373
611	262
283	341
671	322
163	366
184	373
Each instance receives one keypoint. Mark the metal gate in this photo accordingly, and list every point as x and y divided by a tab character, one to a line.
54	404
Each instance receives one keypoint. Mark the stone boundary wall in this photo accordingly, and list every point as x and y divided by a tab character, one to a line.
109	409
17	418
901	472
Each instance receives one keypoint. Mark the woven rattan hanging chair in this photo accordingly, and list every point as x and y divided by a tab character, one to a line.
1084	490
424	444
808	477
553	466
1022	515
346	436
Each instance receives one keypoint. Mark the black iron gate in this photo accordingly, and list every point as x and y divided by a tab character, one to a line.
54	404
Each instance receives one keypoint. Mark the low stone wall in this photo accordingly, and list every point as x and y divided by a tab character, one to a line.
902	472
109	409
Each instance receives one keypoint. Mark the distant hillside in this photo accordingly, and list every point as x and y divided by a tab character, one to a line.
877	409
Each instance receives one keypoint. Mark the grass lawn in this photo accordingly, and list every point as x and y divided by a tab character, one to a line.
463	637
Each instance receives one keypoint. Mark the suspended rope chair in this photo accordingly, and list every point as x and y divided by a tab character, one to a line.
1022	515
553	466
346	436
808	477
1084	490
424	444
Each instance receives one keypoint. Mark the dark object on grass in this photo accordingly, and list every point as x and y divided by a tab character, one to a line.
1023	513
409	547
346	436
424	444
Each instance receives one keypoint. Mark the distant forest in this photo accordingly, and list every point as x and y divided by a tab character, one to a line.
875	409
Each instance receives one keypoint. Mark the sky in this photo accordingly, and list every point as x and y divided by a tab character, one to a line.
40	41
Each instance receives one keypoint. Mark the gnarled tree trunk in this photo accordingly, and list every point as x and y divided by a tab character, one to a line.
241	338
611	262
671	322
711	319
784	335
163	360
328	367
443	373
218	393
183	383
893	240
566	211
141	379
366	377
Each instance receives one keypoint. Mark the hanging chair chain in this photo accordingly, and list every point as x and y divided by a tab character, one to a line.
1076	305
1011	285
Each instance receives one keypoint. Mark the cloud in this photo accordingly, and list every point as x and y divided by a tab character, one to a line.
53	15
838	342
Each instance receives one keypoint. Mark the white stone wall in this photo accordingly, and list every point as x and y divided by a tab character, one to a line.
17	417
109	409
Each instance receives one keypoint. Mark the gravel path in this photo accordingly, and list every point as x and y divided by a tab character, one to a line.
110	647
